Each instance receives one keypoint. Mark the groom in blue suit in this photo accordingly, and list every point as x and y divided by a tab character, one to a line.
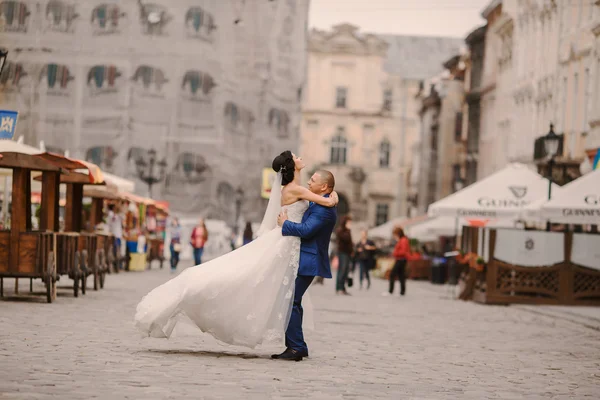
315	231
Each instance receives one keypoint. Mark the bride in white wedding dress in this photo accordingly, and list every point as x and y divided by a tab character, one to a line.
244	297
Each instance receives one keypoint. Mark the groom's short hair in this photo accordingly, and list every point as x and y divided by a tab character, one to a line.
327	178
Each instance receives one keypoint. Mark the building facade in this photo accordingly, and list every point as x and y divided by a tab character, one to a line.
472	108
201	94
442	148
592	141
360	114
540	69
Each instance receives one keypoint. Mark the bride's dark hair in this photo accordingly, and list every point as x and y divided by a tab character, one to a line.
285	163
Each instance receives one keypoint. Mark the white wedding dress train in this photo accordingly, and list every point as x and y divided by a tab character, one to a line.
242	298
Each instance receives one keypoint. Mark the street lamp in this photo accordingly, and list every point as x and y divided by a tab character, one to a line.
3	55
551	143
146	171
239	197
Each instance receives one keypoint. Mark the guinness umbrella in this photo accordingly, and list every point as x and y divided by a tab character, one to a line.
433	228
577	203
503	194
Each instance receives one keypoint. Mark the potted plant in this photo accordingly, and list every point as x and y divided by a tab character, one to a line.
480	264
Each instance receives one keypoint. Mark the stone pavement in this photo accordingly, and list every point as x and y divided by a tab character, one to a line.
365	346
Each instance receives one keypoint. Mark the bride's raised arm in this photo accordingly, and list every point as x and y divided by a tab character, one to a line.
305	194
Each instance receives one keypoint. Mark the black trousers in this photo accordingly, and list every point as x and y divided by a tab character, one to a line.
398	271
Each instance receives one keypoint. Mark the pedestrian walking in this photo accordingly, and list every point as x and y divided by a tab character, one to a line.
198	240
345	250
114	221
248	235
400	254
365	256
175	245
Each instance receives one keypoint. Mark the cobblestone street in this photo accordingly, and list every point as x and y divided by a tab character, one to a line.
365	346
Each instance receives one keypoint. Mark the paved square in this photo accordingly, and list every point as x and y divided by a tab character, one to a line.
365	346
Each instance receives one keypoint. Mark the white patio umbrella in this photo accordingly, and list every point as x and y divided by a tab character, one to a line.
578	202
503	194
384	231
448	226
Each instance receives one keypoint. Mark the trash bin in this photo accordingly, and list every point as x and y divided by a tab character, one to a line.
439	270
138	262
454	269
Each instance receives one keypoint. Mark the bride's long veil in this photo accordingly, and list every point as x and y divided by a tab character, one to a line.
269	221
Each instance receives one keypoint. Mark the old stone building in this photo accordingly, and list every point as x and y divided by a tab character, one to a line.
472	109
441	143
592	140
540	67
360	114
200	95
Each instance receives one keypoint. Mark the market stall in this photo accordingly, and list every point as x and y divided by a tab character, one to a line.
108	257
90	257
156	218
23	252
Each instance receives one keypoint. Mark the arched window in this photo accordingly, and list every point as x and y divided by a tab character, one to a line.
384	154
232	114
103	156
105	18
339	147
279	120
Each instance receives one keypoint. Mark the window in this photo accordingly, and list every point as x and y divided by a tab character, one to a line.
105	18
15	15
381	214
387	99
384	154
457	180
102	156
458	127
341	94
339	147
199	23
280	121
60	16
312	123
232	115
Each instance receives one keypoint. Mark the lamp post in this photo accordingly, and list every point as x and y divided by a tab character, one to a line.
146	170
239	198
551	143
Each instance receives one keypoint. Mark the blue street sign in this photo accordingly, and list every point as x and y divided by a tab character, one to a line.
8	124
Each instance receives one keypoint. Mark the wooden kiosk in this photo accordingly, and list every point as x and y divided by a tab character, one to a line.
86	260
106	242
25	253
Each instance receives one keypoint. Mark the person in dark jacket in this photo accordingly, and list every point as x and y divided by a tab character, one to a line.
345	250
365	255
248	235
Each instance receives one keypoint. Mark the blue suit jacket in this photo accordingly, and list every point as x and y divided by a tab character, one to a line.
315	231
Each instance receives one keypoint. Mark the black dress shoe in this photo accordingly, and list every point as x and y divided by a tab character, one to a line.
289	355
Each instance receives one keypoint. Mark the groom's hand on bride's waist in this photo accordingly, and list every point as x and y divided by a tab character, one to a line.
282	217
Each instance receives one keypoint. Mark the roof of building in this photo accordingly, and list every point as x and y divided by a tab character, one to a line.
419	57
